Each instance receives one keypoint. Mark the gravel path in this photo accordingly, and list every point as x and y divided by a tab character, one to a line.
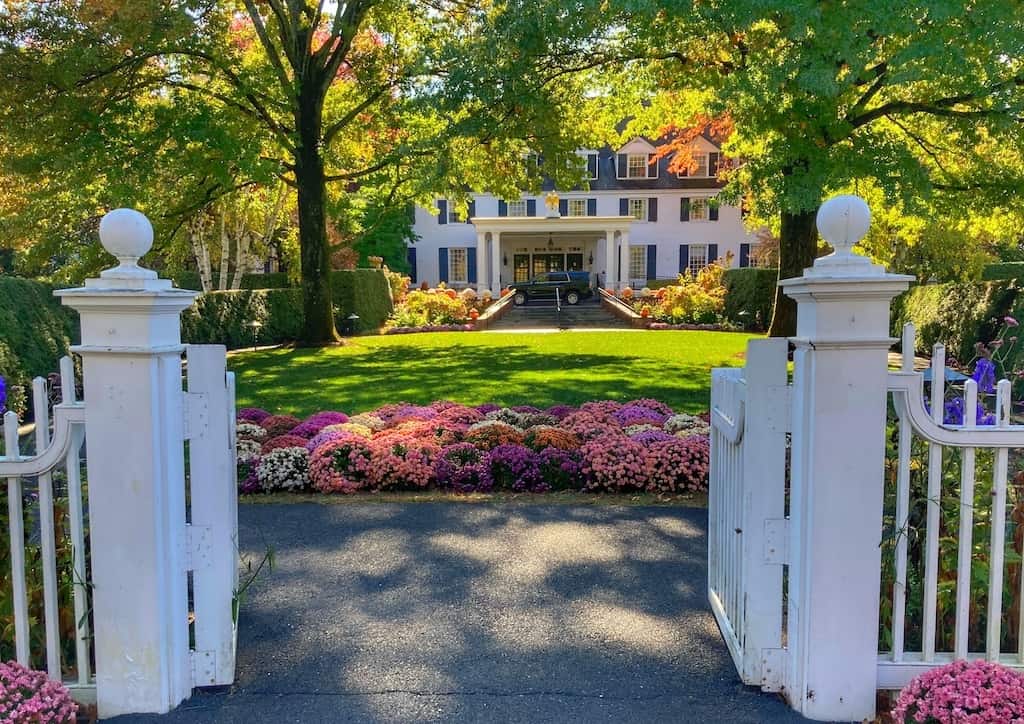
441	612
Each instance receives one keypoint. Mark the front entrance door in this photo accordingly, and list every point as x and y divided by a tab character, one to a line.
548	263
521	268
574	262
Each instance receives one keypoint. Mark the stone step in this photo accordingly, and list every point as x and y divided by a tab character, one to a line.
545	316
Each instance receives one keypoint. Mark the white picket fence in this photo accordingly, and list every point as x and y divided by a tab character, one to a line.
210	533
898	666
750	543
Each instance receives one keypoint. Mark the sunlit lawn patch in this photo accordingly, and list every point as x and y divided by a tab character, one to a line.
476	368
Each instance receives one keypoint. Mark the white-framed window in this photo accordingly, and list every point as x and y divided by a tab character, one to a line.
701	171
577	207
517	208
638	209
638	262
636	165
698	210
457	266
592	162
698	257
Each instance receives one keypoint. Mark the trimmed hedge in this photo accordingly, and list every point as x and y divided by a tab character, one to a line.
35	332
957	314
365	292
749	296
274	280
1003	270
225	317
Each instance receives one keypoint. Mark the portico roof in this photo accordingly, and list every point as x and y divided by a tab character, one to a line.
552	224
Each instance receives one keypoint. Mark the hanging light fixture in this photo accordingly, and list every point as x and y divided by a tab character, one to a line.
551	242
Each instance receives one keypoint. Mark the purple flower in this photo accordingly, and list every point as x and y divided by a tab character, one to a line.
3	395
462	468
487	407
516	467
560	412
1010	321
561	469
953	413
639	415
317	422
322	437
253	414
648	437
985	374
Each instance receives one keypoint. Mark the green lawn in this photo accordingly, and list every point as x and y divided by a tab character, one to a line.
507	369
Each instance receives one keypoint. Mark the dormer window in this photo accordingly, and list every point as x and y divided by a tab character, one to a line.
706	165
636	166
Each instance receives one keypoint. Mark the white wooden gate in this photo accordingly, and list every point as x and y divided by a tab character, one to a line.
897	666
210	533
747	533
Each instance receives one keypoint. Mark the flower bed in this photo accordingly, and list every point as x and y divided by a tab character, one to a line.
438	310
606	446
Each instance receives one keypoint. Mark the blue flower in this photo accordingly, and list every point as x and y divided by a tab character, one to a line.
3	395
953	413
985	375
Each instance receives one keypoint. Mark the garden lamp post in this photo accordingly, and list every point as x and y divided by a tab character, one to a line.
352	320
255	327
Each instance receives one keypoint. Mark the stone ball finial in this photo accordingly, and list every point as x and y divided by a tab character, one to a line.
127	234
843	221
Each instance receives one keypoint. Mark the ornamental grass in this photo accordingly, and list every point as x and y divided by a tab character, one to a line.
602	446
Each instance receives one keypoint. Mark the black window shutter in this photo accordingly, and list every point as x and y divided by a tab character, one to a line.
531	207
591	165
471	264
471	212
652	209
713	160
442	263
712	253
652	166
684	258
684	209
713	210
652	261
591	207
744	255
685	170
623	207
411	210
502	208
563	207
412	264
623	161
442	211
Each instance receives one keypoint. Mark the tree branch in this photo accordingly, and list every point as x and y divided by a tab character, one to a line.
268	46
340	124
940	106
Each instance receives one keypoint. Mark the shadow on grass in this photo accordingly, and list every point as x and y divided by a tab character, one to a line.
362	377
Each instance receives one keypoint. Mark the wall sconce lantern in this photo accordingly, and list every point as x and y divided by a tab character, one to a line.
504	260
590	259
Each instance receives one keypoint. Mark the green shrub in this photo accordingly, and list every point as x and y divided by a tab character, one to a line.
1003	270
35	332
750	295
226	317
957	314
274	280
365	292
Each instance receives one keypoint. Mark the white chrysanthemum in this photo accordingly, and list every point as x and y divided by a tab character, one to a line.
491	423
286	468
249	430
683	422
247	449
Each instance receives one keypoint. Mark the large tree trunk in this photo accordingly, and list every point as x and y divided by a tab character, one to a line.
798	247
318	324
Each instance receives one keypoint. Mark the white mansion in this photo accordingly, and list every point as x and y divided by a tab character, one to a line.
636	222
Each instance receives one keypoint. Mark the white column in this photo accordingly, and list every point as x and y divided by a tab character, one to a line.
131	359
608	254
496	263
481	260
623	259
838	457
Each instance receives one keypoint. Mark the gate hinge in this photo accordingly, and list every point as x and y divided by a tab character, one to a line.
197	546
196	409
773	669
204	668
776	541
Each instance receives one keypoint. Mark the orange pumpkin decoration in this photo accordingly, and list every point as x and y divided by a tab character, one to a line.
473	314
452	294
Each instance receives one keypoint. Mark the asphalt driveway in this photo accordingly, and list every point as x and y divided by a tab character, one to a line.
441	612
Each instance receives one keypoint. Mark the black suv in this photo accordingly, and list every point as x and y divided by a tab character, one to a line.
571	287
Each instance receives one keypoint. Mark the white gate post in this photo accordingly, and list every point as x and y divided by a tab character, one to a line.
134	427
838	457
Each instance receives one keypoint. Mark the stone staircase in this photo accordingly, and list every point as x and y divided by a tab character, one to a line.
543	315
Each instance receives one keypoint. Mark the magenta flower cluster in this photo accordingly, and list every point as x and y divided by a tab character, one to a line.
29	696
963	692
601	446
